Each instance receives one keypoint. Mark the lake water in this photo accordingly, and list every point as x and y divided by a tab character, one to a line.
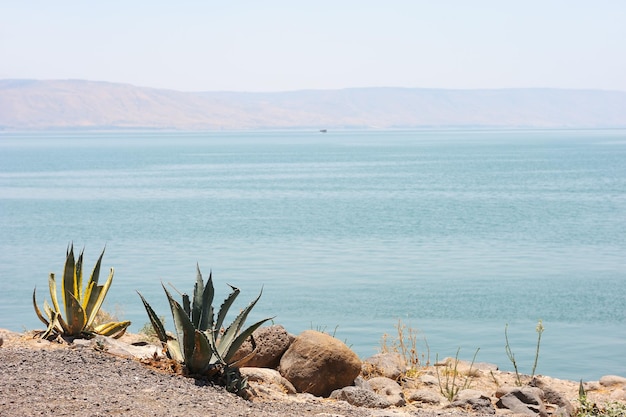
454	232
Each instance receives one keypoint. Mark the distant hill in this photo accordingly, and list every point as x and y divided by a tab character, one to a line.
69	104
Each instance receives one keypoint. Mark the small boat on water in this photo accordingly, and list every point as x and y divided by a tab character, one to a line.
323	130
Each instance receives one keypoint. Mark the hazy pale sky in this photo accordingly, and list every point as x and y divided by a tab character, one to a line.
275	45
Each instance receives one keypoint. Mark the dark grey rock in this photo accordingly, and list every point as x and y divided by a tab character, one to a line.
474	400
360	397
551	396
362	383
525	400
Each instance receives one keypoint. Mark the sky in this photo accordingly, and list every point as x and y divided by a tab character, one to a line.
275	45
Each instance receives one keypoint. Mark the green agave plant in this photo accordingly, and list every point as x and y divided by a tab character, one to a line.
81	306
201	342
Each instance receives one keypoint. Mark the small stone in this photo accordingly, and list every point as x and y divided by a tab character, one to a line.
423	396
562	412
269	377
618	395
360	397
427	379
362	383
475	400
612	380
504	389
389	365
389	389
467	394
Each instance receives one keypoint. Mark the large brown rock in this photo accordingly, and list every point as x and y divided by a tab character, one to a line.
271	342
318	364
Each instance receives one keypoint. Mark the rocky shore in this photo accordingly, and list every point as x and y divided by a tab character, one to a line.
312	374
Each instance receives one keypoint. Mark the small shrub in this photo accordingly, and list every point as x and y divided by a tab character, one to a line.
449	387
405	344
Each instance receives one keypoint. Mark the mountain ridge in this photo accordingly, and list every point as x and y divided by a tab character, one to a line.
71	104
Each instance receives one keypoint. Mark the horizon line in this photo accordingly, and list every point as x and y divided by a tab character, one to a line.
380	87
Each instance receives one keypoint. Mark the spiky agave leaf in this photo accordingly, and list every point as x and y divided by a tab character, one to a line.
97	297
76	317
216	357
206	315
232	338
61	325
198	291
243	360
199	306
236	344
37	311
78	277
221	315
92	284
89	304
47	309
187	305
114	329
202	307
68	282
172	346
200	360
52	287
95	273
55	318
52	329
156	322
173	350
185	332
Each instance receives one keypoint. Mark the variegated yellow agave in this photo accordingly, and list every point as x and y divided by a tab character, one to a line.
201	343
80	305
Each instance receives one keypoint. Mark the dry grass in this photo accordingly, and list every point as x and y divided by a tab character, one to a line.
405	344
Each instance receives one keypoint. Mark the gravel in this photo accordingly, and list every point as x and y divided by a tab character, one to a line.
86	382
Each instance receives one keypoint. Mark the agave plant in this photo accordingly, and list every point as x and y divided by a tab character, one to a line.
80	306
201	342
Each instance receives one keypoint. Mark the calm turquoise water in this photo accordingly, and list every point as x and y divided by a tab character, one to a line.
456	233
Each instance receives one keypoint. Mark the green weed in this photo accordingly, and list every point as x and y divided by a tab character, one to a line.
539	329
449	388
